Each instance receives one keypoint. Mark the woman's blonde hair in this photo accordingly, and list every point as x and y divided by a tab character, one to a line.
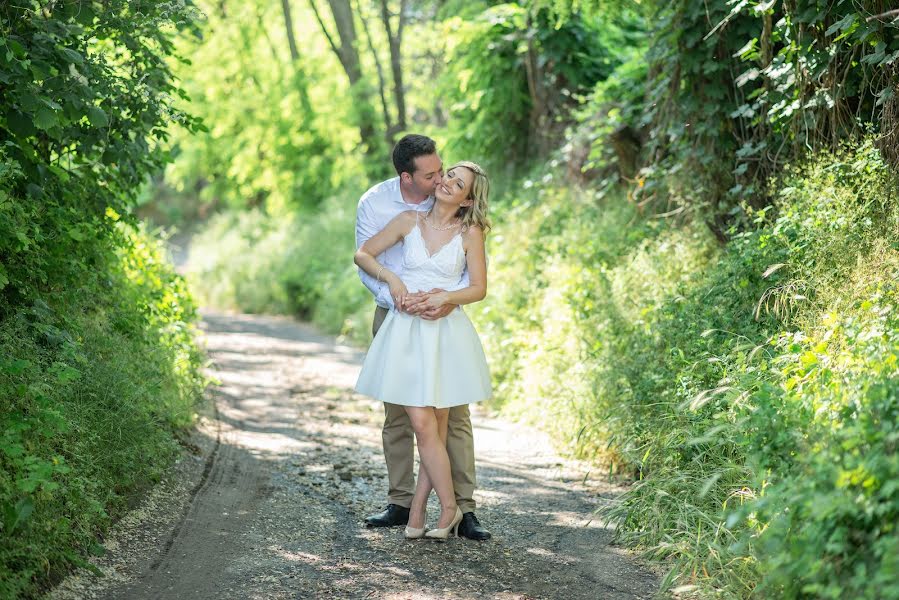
476	213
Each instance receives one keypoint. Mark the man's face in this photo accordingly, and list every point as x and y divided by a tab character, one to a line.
428	174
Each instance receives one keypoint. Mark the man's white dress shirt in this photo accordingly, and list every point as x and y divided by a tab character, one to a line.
377	207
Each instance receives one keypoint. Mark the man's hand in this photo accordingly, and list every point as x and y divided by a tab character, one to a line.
427	305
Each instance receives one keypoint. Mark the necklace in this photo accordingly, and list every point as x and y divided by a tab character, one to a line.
437	228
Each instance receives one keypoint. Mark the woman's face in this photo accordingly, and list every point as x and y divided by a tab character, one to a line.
456	186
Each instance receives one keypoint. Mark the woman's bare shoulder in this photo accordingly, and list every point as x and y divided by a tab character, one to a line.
404	219
473	232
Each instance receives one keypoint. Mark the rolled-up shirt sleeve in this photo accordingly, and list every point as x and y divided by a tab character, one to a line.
366	227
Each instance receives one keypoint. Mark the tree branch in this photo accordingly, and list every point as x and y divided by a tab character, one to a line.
378	68
889	13
321	23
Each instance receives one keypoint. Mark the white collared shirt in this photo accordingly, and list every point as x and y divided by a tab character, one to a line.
377	207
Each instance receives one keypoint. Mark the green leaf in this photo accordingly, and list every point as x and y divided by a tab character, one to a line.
77	234
842	25
45	118
20	125
17	49
59	172
16	515
97	116
72	56
64	373
17	366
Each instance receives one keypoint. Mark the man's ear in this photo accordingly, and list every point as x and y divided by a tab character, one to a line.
406	177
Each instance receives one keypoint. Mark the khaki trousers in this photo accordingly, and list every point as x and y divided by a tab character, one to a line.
399	441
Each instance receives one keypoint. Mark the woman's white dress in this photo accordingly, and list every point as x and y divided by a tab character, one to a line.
416	362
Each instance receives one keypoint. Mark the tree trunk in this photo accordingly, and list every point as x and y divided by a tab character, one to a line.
537	137
301	83
348	55
382	93
395	43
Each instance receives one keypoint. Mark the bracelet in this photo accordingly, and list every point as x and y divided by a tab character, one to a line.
378	276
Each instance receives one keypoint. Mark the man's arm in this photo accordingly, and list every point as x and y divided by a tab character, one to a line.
366	227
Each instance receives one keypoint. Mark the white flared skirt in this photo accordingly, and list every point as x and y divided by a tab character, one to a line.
415	362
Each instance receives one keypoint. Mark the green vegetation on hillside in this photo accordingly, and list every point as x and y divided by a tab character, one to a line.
99	371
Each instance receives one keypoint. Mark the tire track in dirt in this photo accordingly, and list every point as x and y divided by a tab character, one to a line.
270	504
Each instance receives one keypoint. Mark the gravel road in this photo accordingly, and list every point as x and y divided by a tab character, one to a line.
268	499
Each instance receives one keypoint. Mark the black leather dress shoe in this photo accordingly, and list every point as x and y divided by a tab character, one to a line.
470	528
391	516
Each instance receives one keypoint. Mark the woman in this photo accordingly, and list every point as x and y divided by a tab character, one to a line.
430	366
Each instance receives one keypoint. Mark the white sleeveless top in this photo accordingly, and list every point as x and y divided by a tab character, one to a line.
423	271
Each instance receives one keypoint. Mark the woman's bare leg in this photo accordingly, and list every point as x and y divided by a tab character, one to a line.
428	424
424	486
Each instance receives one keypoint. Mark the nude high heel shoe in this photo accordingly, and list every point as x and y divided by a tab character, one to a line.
443	533
416	533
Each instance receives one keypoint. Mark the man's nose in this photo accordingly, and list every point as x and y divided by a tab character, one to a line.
439	179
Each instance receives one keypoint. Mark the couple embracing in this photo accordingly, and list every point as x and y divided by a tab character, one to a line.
420	251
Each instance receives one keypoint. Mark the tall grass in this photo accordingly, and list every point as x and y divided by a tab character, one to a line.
750	390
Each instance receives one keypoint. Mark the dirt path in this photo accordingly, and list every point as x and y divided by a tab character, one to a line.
287	461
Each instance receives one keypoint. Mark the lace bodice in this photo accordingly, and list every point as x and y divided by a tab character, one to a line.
423	271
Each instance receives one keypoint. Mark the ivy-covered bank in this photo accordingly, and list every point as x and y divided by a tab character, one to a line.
750	390
97	385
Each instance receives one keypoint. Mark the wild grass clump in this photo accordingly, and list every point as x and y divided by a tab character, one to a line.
96	384
751	389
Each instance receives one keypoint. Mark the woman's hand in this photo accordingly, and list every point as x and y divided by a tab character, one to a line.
435	301
398	291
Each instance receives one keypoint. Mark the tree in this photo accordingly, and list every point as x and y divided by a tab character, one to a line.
394	41
300	79
348	55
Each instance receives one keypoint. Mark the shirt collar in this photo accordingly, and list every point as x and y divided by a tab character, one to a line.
424	204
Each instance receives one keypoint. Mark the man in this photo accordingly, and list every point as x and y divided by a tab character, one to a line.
419	171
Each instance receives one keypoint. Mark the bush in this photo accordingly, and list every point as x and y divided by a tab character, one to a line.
96	382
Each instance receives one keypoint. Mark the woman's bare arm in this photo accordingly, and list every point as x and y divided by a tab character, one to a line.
365	259
476	258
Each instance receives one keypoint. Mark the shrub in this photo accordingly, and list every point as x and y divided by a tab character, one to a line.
96	382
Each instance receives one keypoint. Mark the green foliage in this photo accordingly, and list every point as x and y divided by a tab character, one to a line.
94	381
98	366
505	61
274	143
86	94
735	90
300	264
751	389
